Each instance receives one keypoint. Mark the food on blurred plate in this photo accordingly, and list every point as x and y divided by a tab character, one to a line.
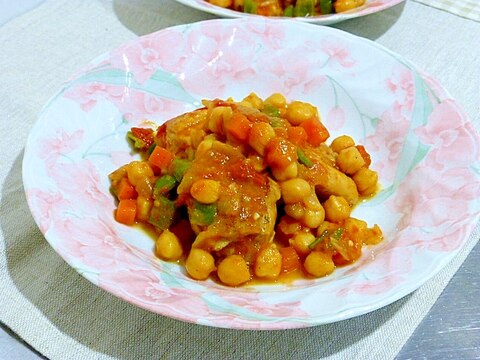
289	8
249	191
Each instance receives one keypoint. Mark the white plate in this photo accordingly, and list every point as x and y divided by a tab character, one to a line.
370	7
422	144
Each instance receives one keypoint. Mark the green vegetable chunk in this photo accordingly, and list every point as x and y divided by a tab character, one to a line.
203	214
288	12
334	238
326	6
164	184
179	167
250	7
271	110
151	148
162	213
318	240
137	142
303	159
304	8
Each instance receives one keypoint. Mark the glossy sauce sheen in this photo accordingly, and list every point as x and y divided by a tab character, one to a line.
249	192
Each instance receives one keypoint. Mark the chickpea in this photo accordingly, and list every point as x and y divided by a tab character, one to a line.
308	211
319	264
313	218
344	5
298	112
277	100
295	190
366	181
342	142
370	191
168	246
350	160
137	171
291	171
252	99
144	186
144	205
259	136
268	263
296	210
221	3
199	264
301	241
206	191
311	201
327	226
314	213
233	270
216	118
336	209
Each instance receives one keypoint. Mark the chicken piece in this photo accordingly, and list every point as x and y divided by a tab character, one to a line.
186	131
246	209
327	179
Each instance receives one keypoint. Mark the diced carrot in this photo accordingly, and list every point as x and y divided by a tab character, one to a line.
365	155
126	211
280	153
160	158
125	190
238	126
290	259
297	135
317	133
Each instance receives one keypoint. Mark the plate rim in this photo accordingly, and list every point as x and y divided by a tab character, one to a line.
328	19
341	315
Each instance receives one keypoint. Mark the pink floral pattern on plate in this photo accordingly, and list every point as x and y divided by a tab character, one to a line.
423	145
370	7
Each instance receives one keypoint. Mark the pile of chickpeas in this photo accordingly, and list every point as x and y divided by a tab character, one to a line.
313	186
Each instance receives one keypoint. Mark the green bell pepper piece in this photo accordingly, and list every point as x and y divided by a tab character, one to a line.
179	167
326	6
162	213
164	184
203	214
137	142
250	7
271	110
318	240
304	8
303	159
288	12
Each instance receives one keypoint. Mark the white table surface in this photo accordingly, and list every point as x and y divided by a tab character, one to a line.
451	330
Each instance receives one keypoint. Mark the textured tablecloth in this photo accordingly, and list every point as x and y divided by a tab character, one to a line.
60	313
469	9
